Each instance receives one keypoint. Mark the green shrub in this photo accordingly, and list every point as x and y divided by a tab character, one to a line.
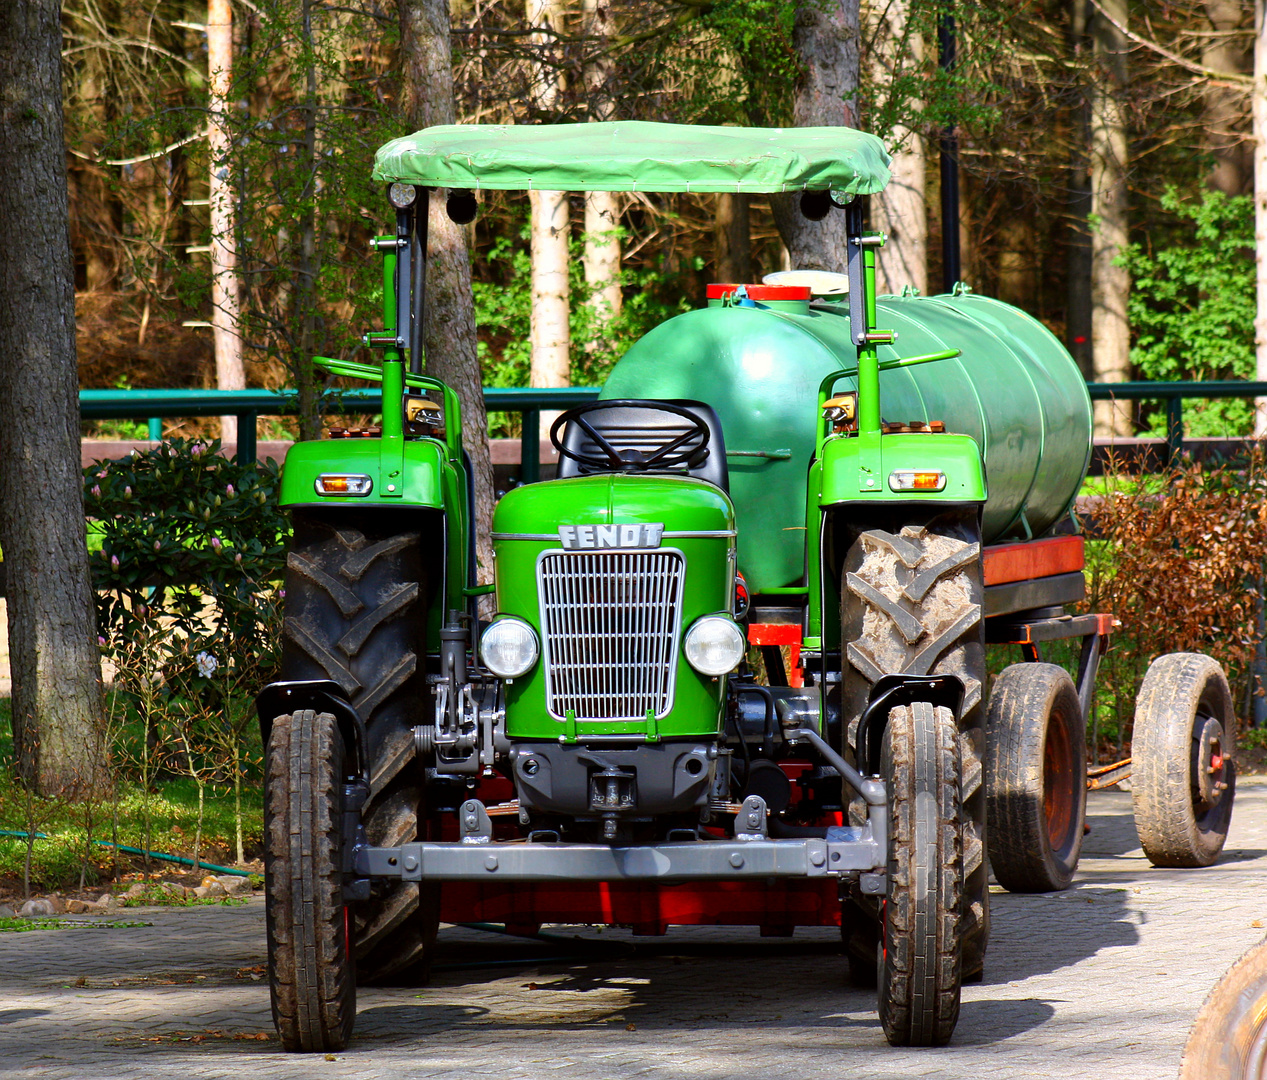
187	575
1192	306
1182	567
189	533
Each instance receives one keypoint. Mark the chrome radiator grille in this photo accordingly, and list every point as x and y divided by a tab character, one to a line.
610	626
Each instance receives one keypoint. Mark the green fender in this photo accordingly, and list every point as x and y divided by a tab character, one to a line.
858	468
854	471
421	476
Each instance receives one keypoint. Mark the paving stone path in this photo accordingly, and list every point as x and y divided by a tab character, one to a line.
1104	979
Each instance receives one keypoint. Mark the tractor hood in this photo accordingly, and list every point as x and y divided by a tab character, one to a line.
620	566
686	508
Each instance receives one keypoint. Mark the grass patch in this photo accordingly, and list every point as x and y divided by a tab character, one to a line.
157	896
20	926
163	818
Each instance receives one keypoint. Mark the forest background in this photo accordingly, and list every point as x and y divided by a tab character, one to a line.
220	212
221	206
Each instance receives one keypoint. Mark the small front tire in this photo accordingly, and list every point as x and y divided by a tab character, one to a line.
921	954
312	974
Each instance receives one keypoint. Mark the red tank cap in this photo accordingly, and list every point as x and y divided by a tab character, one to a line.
761	292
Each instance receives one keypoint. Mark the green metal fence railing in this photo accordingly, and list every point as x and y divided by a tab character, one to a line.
1173	395
249	405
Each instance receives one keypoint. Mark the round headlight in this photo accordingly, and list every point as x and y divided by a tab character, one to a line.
714	645
402	195
508	647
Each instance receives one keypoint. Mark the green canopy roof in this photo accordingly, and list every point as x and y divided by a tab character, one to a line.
630	155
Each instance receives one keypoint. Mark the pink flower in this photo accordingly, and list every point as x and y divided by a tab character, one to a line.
215	543
229	491
114	561
96	491
238	558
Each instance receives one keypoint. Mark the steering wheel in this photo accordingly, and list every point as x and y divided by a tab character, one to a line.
674	451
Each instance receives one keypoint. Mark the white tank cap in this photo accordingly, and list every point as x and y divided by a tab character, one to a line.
820	282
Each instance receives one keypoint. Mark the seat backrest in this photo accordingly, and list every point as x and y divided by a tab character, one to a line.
645	428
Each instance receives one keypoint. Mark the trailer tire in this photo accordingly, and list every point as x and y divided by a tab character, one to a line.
920	963
1036	778
1229	1038
1182	750
312	974
911	602
355	606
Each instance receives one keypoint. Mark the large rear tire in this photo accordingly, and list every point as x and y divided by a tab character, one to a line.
1036	778
1229	1039
921	950
312	975
1183	773
355	606
911	603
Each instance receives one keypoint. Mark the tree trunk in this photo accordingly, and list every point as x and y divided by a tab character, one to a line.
900	210
602	208
1078	242
57	707
1224	125
1258	109
308	264
825	37
1019	257
449	319
225	287
550	333
732	239
1110	283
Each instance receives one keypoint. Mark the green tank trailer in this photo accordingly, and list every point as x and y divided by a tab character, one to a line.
865	489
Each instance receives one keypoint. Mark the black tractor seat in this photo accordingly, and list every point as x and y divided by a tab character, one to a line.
645	429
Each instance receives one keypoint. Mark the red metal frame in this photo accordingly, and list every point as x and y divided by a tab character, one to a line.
648	906
781	634
1005	564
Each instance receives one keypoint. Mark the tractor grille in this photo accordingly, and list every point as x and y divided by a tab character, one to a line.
610	625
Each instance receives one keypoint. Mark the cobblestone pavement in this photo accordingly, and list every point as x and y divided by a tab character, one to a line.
1105	978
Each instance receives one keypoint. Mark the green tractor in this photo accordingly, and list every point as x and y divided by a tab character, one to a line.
772	472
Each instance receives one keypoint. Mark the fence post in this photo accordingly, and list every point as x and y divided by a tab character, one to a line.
530	447
1174	430
156	428
247	452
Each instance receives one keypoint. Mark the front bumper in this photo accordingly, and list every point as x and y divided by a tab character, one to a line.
846	850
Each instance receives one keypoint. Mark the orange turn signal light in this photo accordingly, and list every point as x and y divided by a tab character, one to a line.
343	484
917	480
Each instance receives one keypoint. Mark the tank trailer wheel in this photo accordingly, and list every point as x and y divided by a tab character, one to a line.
311	970
920	957
1228	1041
355	604
911	602
1183	772
1035	778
